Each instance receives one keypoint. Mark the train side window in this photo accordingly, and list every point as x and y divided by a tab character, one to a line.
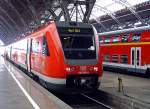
107	41
115	58
45	50
136	37
107	58
35	46
101	41
125	38
124	59
116	39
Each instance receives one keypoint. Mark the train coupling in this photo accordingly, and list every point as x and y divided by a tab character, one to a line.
82	80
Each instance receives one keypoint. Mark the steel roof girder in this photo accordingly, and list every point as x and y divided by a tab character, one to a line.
5	29
6	23
105	10
17	13
31	7
25	7
64	7
52	13
89	7
127	4
99	22
13	21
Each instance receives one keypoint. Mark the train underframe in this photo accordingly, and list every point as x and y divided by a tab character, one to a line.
75	84
135	71
84	83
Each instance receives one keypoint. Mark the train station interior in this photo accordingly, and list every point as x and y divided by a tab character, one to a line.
74	54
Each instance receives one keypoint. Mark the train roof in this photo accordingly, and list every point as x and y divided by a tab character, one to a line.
138	29
73	24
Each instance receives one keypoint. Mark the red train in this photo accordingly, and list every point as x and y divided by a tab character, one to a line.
126	50
61	54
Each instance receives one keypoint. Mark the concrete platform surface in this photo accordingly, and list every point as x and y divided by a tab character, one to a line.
11	97
34	97
133	87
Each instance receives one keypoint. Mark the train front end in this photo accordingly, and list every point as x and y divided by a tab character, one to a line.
81	54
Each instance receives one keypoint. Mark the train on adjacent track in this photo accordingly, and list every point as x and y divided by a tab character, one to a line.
126	50
60	54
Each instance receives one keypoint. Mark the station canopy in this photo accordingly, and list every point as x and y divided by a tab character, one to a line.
111	15
21	17
103	7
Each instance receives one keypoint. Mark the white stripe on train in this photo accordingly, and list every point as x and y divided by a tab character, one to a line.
127	65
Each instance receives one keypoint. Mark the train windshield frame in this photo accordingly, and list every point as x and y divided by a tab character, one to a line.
77	43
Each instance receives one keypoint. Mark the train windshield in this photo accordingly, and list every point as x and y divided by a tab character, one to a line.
78	43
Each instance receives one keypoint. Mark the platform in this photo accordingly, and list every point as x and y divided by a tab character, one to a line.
29	95
134	87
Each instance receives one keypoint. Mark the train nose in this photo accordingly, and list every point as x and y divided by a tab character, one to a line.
70	69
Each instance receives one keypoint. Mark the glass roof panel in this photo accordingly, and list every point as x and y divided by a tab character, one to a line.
111	6
134	2
104	3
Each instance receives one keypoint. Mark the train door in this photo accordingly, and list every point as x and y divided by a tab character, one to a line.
10	53
28	56
36	54
136	56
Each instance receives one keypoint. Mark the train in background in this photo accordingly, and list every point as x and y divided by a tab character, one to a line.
126	50
60	54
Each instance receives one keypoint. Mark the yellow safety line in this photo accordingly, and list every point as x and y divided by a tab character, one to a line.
132	43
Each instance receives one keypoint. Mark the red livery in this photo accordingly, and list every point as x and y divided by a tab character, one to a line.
60	53
126	50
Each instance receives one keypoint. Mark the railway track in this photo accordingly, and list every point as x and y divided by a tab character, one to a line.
80	100
98	102
83	101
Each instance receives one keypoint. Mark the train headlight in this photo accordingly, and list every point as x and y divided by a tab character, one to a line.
95	69
70	69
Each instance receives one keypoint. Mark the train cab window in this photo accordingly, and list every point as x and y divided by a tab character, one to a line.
124	59
35	46
115	58
107	58
45	50
77	43
136	37
125	38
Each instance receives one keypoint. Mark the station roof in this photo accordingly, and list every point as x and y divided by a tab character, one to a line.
20	17
112	15
103	7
